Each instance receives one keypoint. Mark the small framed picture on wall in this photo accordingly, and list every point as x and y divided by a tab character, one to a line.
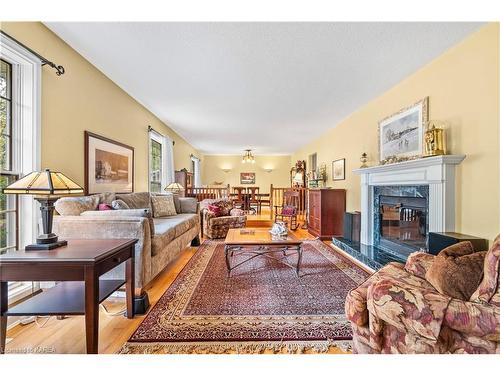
338	170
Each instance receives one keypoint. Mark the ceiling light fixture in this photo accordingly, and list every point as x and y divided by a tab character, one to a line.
248	157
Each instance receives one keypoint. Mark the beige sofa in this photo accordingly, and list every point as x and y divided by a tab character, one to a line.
160	239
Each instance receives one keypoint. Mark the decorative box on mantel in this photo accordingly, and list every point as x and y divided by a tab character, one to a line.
438	173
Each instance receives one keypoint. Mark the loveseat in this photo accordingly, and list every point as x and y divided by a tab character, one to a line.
398	310
161	239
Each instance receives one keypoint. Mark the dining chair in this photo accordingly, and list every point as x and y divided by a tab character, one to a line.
254	198
239	197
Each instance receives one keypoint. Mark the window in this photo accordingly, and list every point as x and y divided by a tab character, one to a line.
156	167
20	89
8	203
5	115
313	162
161	162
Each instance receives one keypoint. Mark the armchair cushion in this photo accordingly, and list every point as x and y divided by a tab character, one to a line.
418	263
237	212
456	275
489	289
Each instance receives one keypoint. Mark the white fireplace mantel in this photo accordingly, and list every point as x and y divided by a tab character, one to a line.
438	172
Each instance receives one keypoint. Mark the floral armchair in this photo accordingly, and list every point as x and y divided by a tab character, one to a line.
216	225
397	310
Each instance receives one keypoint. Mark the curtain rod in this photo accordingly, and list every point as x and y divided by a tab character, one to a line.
151	130
59	68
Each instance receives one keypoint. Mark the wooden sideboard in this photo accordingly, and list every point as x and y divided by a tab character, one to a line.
326	212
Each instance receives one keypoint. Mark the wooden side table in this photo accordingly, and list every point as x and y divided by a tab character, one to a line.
78	266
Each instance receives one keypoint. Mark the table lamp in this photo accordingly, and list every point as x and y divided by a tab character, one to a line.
47	187
175	187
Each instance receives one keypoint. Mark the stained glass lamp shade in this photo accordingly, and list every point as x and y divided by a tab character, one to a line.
47	186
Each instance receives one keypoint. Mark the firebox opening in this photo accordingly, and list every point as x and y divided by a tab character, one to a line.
403	222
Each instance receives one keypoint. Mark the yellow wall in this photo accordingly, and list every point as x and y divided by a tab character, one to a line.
85	99
463	89
212	170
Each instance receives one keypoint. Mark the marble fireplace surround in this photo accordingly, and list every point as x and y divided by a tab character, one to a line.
437	172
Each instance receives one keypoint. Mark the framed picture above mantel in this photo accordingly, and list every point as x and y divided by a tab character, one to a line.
109	165
401	135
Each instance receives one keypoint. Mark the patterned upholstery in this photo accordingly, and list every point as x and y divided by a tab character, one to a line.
397	311
217	227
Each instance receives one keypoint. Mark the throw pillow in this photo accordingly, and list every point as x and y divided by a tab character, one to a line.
74	206
288	210
118	204
215	209
237	212
104	207
457	271
163	205
136	200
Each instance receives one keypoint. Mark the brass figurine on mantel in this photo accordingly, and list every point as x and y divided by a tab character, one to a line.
363	160
434	140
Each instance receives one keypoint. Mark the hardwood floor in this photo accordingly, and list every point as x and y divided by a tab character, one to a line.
68	335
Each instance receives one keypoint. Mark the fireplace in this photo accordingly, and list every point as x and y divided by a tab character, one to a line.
400	204
402	223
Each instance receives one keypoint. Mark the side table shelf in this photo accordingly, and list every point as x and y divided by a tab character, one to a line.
66	298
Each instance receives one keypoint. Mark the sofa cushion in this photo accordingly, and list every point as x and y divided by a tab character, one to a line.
106	197
457	271
118	204
163	205
74	206
140	212
169	228
188	205
164	234
136	200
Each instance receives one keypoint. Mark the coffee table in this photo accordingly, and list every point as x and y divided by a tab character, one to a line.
260	242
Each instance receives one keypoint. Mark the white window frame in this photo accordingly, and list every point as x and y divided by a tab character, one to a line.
196	171
167	172
26	139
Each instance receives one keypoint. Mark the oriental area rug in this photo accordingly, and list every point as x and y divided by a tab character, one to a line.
262	307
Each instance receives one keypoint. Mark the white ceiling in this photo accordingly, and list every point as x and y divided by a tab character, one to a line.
272	87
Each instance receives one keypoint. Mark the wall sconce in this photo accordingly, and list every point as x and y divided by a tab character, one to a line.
268	170
226	170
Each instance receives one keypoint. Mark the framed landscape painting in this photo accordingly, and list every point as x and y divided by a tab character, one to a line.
338	170
401	134
247	178
109	165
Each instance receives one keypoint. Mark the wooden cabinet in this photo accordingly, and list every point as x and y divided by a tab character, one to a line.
326	212
184	178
